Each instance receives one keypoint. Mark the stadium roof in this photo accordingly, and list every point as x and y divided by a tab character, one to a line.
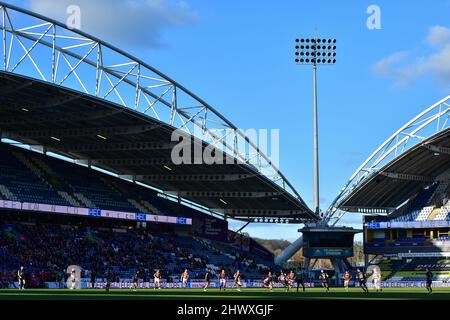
119	115
405	176
415	156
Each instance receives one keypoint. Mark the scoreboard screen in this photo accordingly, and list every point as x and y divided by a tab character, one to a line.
328	242
328	252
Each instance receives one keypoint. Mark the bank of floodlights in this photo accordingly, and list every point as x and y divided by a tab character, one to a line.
315	51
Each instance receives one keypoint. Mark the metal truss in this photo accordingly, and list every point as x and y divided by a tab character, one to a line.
75	116
129	162
245	213
407	177
428	123
226	194
79	132
119	146
191	177
41	48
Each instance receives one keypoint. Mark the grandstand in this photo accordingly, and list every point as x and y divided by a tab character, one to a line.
31	238
87	175
403	191
414	270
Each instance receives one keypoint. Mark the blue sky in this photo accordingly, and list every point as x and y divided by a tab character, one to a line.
239	57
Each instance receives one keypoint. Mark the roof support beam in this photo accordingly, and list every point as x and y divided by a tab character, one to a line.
437	149
14	87
191	177
78	132
259	212
368	210
120	146
45	102
132	162
225	194
59	117
407	176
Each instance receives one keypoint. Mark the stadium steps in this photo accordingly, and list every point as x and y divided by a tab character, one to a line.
396	270
424	214
434	214
443	212
69	199
137	205
85	201
6	193
44	167
378	259
124	194
58	183
31	164
442	187
151	208
27	162
116	188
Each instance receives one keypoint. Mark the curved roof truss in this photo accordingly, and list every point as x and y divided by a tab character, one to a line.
38	47
431	121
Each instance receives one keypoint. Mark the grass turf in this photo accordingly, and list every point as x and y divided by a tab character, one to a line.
214	294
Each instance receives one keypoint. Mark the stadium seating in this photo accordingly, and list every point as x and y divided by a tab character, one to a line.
18	182
53	247
389	267
27	176
421	208
415	269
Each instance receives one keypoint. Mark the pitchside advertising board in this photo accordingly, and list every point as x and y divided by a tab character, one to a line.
194	284
39	207
408	225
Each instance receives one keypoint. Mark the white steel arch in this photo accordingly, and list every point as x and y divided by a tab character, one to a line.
431	121
42	48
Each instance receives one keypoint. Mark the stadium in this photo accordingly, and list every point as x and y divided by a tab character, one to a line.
91	199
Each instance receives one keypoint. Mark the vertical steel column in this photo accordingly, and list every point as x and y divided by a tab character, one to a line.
4	37
316	146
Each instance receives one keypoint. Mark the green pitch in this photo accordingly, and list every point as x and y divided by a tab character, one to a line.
250	294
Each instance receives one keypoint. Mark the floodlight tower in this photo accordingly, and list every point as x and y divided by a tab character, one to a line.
315	51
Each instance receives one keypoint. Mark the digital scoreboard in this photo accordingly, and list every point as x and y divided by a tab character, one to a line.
328	242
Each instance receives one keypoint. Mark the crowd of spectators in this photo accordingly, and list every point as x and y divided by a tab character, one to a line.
47	250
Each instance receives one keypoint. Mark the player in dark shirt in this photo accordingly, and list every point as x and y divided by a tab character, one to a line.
429	275
324	278
300	278
268	282
207	279
93	278
135	280
108	280
362	279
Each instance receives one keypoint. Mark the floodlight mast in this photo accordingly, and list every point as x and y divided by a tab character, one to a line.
315	51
